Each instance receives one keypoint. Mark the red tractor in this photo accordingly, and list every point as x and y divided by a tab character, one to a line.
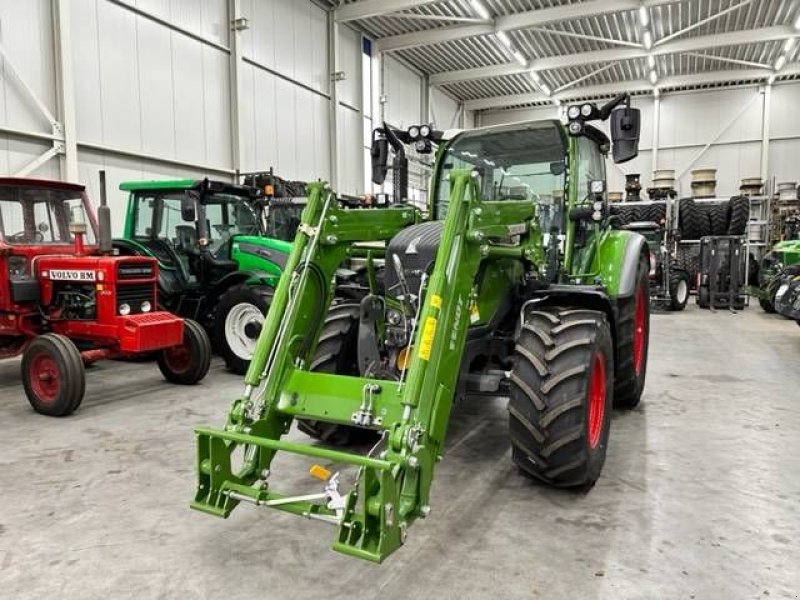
66	301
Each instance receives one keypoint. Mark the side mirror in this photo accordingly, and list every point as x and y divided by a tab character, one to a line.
380	159
188	206
625	126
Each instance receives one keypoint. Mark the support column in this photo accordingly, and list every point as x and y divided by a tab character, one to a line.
765	126
65	90
333	63
237	25
656	131
425	108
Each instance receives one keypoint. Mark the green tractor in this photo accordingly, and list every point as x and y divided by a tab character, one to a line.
492	295
215	264
783	257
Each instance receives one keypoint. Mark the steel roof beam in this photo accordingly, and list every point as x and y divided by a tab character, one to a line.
695	44
522	20
375	8
610	89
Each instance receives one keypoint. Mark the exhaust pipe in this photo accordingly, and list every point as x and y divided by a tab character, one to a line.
104	219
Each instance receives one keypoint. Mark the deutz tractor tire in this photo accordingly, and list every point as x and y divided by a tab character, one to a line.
693	223
633	335
239	318
679	286
188	363
739	215
53	375
562	395
337	353
718	218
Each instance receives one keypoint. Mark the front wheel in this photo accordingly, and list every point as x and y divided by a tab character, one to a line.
53	375
562	388
678	289
633	335
188	363
240	317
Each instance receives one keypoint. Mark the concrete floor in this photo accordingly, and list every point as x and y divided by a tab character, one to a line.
700	496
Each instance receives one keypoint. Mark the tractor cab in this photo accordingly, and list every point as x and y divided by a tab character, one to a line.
35	220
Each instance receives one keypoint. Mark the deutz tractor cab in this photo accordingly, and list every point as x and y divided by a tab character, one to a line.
473	301
216	265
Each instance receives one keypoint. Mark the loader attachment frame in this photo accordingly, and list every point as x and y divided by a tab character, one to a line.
393	488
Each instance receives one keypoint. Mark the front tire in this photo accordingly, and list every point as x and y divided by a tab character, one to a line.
240	316
678	289
53	375
188	363
633	338
562	395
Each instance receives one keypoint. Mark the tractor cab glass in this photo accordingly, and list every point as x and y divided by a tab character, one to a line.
161	215
32	215
524	162
283	218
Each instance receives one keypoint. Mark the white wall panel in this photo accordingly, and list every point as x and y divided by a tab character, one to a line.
290	38
403	90
26	34
784	119
350	90
207	18
351	152
16	153
154	52
443	110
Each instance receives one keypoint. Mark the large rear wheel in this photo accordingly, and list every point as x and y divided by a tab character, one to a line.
561	395
240	317
633	333
53	375
678	289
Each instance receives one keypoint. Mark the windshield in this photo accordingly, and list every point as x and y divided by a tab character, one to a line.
283	218
524	161
158	216
41	215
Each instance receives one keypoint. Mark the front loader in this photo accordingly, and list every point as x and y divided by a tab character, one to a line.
478	299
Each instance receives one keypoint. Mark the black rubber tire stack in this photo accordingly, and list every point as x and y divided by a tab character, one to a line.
739	215
693	223
549	402
337	353
718	218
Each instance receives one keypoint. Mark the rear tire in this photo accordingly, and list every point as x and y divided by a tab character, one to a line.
337	353
53	375
693	223
239	319
678	289
562	396
188	363
633	337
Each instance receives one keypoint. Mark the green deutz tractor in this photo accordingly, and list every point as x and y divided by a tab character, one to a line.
491	295
782	259
216	266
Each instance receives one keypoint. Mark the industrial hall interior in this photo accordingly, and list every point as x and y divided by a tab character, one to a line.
390	299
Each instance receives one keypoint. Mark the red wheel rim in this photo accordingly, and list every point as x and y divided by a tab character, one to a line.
179	358
639	330
45	378
597	399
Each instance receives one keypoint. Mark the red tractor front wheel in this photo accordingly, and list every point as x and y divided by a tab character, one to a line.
53	375
188	363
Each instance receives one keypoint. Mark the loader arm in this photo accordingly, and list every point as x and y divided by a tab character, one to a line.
393	489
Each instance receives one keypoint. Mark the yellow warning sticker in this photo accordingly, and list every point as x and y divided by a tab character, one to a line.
428	333
436	301
474	313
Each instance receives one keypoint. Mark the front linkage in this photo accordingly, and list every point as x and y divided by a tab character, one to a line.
392	489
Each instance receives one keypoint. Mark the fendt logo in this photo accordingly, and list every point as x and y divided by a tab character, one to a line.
72	275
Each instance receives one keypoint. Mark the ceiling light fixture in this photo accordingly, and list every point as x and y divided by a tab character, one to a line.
503	37
535	76
644	16
781	62
479	8
788	45
797	23
647	38
520	59
651	61
653	77
544	89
